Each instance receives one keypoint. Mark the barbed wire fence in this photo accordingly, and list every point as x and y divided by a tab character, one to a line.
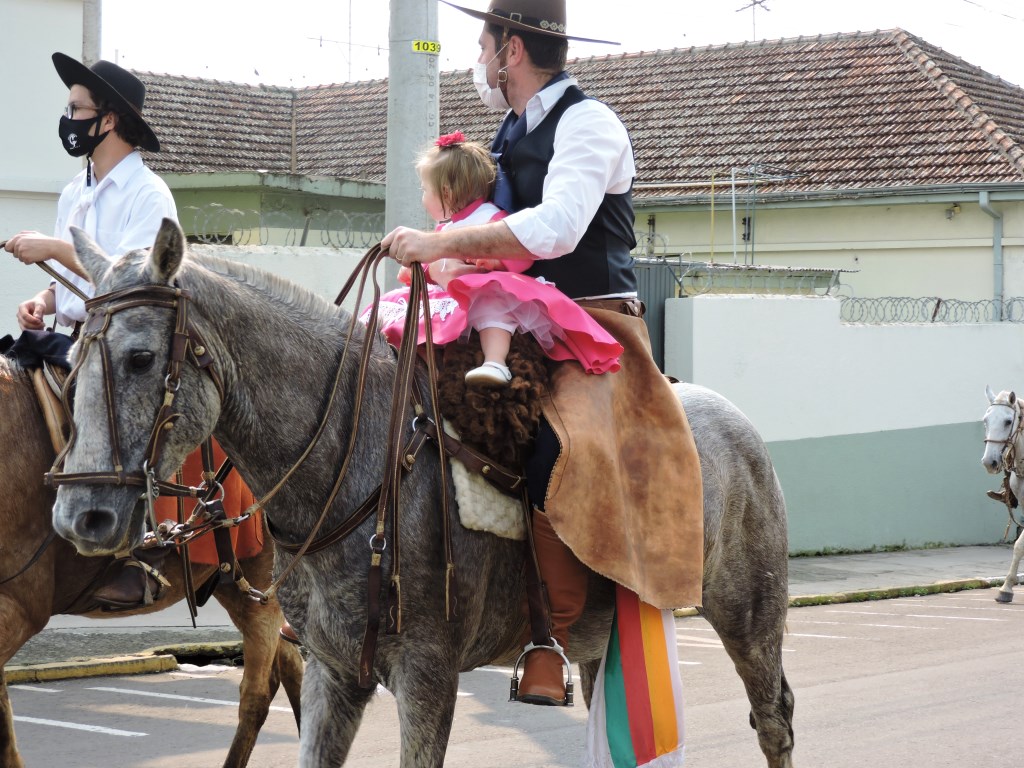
223	225
904	309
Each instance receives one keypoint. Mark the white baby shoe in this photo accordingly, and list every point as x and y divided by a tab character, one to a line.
489	375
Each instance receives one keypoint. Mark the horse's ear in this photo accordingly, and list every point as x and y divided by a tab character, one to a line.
990	394
92	258
1013	398
167	253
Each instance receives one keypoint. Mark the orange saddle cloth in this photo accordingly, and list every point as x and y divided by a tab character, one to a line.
247	538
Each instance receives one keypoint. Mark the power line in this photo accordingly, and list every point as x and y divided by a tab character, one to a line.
993	11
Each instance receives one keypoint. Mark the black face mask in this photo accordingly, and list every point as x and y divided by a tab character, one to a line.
74	135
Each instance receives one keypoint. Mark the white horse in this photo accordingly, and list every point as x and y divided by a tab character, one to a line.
1004	451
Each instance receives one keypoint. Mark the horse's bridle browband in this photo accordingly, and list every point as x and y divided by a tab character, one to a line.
186	344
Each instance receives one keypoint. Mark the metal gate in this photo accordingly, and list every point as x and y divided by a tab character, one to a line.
656	282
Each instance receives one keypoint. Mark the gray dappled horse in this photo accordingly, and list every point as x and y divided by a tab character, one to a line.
277	348
1004	451
32	591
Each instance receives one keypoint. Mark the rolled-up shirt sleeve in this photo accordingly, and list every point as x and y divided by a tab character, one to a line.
592	157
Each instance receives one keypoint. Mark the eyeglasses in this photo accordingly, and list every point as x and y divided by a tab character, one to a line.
70	109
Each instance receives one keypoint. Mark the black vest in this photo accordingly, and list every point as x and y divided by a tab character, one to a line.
601	263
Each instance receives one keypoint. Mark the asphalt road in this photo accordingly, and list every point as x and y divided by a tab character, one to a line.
932	681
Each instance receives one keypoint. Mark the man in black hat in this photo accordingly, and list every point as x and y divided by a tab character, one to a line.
565	175
120	203
116	198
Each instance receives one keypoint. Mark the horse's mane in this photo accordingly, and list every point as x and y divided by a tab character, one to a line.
212	279
282	291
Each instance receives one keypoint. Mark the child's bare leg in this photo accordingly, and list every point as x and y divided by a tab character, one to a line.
495	343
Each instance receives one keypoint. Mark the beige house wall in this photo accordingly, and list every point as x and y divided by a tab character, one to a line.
890	249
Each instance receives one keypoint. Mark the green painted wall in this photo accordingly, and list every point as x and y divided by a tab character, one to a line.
909	487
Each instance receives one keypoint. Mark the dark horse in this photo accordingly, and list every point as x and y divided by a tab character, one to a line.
53	582
277	349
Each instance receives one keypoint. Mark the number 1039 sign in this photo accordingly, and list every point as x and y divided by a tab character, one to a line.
426	46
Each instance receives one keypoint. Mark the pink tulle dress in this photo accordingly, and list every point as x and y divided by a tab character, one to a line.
561	327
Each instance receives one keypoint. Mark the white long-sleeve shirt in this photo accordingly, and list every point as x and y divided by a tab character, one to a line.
592	157
129	204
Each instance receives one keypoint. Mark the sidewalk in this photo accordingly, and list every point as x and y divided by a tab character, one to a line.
812	580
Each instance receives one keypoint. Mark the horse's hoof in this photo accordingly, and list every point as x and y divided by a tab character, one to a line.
1004	597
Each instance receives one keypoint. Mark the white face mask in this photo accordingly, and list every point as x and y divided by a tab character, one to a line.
491	97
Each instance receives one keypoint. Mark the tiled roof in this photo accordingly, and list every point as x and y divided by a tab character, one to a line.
842	112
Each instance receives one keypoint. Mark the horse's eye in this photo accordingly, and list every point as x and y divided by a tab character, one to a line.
1008	422
140	361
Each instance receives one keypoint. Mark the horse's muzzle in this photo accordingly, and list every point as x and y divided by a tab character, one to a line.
92	531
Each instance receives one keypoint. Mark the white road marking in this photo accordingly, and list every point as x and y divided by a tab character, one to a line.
846	624
820	637
77	726
178	697
916	615
36	688
697	642
992	607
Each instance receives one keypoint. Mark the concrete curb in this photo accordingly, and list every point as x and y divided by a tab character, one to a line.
135	664
889	593
158	659
883	593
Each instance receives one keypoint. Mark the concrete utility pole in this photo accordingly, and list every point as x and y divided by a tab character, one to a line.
92	16
413	114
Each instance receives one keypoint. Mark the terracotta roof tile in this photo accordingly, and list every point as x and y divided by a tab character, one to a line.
856	111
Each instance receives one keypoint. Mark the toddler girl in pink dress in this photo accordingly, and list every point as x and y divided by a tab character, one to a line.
489	295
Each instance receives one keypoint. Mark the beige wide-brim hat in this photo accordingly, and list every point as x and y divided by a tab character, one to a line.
545	17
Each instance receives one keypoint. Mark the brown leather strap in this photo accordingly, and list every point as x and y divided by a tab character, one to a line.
53	411
504	480
536	593
627	306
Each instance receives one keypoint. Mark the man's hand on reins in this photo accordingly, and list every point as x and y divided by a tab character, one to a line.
408	246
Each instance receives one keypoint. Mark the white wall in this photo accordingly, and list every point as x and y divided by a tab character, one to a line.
34	167
874	430
320	270
797	371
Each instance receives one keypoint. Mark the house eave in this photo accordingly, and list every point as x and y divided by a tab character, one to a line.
909	195
279	182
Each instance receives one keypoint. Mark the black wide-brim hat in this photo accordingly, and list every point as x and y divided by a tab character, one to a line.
111	83
544	17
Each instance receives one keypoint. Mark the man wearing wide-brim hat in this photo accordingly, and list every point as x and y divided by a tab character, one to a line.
120	203
565	175
115	198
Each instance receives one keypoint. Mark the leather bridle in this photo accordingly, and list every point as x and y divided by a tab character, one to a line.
186	345
1009	452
